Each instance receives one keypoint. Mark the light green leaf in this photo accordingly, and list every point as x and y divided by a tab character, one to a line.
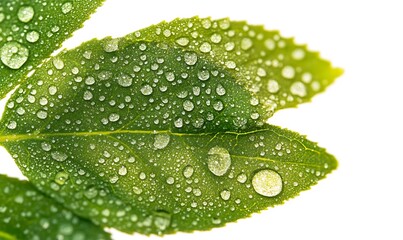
148	137
25	213
278	72
30	30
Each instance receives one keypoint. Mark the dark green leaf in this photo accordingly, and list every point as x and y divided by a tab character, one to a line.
149	139
26	213
30	30
278	72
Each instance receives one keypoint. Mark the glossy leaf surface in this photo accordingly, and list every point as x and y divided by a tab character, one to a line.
153	139
30	30
278	72
25	213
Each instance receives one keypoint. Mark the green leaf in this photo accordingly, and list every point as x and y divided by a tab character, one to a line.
278	72
25	213
30	30
149	137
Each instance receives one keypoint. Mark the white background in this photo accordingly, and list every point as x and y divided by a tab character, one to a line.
358	119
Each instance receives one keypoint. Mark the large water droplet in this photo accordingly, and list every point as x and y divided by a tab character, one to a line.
246	44
188	171
14	55
267	183
205	47
298	89
25	14
219	160
122	171
273	86
146	90
190	58
32	36
203	75
114	117
58	63
220	90
61	177
125	80
12	125
225	195
188	105
58	156
87	95
161	141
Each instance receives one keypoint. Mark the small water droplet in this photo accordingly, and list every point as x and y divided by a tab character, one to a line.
182	41
58	63
216	38
52	90
241	178
114	117
87	95
203	75
113	179
267	183
306	77
246	43
91	192
230	64
261	72
32	36
90	80
46	146
67	7
170	180
146	90
273	86
216	221
229	46
111	45
190	58
161	141
14	55
124	80
61	177
270	44
288	72
218	105
12	125
58	156
25	14
122	171
219	160
205	47
178	123
298	54
188	105
224	24
298	89
225	195
220	90
162	220
188	171
41	114
137	190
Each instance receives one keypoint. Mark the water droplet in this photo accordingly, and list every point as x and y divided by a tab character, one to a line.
122	171
298	54
218	105
246	43
25	14
2	17
52	90
44	223
306	77
32	36
273	86
161	141
90	81
216	38
46	146
188	105
14	55
205	47
188	171
113	179
224	24
261	72
203	75
216	221
114	117
61	177
230	64
124	80
12	125
229	46
104	75
178	123
288	72
241	178
190	58
219	160
267	183
182	41
111	45
170	180
58	156
146	90
58	63
162	220
298	89
220	90
270	44
87	95
67	7
142	176
41	114
137	190
225	195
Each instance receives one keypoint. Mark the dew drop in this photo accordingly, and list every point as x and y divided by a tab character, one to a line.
205	47
122	171
87	95
46	146
162	220
61	177
218	161
288	72
32	36
146	90
261	72
230	64
113	179
58	63
170	76
218	106
298	89
12	125
114	117
298	54
67	7
161	141
216	38
52	90
137	190
111	45
170	180
273	86
14	55
188	105
241	178
270	44
182	41
25	14
306	77
220	90
124	80
58	156
41	114
188	171
229	46
225	195
267	183
203	75
90	81
190	58
178	123
246	43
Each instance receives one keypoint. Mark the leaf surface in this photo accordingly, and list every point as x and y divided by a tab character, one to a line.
153	139
30	30
25	213
278	72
